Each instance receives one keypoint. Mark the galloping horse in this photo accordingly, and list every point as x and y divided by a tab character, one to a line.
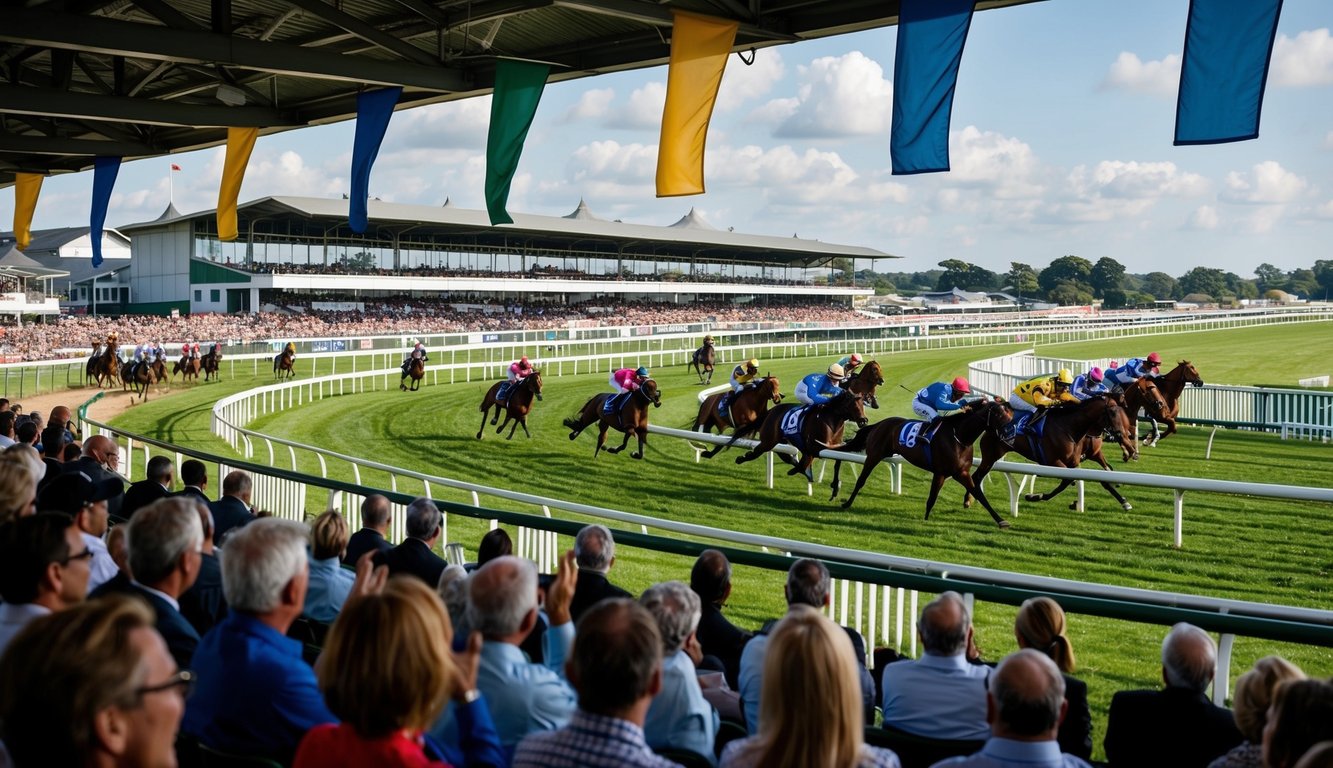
744	414
948	453
211	362
516	408
284	363
631	418
1070	433
702	361
416	371
105	368
186	366
864	382
1171	385
1143	395
810	429
139	377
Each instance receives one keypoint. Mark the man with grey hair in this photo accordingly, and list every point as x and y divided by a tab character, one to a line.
424	525
254	694
1177	725
165	544
1024	704
941	695
595	552
679	717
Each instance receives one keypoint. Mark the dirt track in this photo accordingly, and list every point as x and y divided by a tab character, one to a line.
113	404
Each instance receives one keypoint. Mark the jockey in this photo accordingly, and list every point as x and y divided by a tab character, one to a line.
418	353
819	388
520	370
194	349
1034	396
849	365
1089	385
185	349
290	349
708	341
1133	369
744	374
940	398
628	379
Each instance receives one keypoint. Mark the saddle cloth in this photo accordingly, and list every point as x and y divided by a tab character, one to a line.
502	394
910	431
615	402
793	426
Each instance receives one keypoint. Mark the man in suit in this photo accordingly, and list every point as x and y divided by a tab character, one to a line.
711	581
195	477
155	485
53	443
595	552
98	461
232	509
1178	725
414	555
374	525
204	604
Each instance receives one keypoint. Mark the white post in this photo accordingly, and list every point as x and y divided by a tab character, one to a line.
1180	517
1222	675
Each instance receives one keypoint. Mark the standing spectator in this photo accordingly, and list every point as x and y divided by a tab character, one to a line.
414	556
330	583
1302	716
1254	695
1040	625
98	461
232	509
203	604
710	578
595	552
374	525
43	569
195	478
679	717
155	485
84	500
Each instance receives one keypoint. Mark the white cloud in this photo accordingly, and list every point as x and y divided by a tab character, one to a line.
1128	72
1305	60
1114	190
1267	183
840	96
644	109
592	105
1262	220
742	83
454	124
1006	166
1325	211
1204	217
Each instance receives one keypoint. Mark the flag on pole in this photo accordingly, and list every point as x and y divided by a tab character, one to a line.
699	49
240	142
105	170
518	91
931	36
27	186
175	167
1228	47
373	110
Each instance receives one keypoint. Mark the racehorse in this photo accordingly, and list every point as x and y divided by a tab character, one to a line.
864	382
810	429
140	376
948	453
284	363
516	407
1171	385
1143	395
1070	434
744	414
105	368
631	418
416	371
211	362
702	361
186	366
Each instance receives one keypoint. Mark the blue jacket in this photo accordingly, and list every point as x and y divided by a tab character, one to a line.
1133	368
1084	387
938	396
820	388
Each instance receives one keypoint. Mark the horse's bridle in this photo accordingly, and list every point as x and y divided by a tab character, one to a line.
646	398
1109	427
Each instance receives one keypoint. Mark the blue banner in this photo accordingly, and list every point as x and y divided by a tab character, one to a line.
1228	44
105	170
931	35
373	110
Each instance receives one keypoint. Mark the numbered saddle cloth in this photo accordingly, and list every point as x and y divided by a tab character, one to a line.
793	426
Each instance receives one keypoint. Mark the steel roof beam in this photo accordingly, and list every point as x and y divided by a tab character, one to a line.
55	103
49	145
373	35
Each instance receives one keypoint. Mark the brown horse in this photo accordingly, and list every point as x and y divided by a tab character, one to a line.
516	407
948	453
211	362
631	418
1171	385
139	377
186	366
745	412
816	427
416	370
284	364
865	381
702	361
1142	395
1071	433
104	368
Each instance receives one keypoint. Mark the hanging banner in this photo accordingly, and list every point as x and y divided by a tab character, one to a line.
105	170
373	110
1228	44
931	35
518	91
27	186
240	143
699	49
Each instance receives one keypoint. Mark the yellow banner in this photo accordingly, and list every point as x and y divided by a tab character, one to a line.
699	49
27	186
240	142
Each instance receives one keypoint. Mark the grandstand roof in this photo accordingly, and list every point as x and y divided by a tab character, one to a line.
44	253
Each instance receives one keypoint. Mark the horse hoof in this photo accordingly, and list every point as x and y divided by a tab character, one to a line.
740	459
1127	506
636	455
1032	497
573	435
1004	524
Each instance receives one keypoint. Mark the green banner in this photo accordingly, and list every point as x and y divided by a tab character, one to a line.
518	90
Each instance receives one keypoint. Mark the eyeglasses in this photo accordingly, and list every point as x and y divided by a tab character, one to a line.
184	680
86	554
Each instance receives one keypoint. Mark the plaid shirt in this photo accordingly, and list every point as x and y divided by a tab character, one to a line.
594	741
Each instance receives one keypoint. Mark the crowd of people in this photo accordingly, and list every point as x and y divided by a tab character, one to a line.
536	272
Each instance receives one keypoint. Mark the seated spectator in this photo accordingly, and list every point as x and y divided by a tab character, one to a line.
414	556
494	544
387	672
18	489
453	591
1301	717
1025	703
330	583
156	485
93	685
710	578
616	667
595	552
194	476
807	584
86	501
232	509
374	525
72	452
1253	696
1177	725
941	695
99	459
1040	625
28	455
808	661
679	717
120	555
1318	756
254	693
43	569
204	604
53	445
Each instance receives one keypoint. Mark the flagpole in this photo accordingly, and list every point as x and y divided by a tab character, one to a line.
171	189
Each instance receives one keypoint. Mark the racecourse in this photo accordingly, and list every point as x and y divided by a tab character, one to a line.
1252	549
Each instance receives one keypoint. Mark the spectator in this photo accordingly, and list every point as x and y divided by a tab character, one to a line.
155	485
1254	694
1024	704
330	583
99	460
1318	756
679	717
807	584
616	667
26	433
43	569
595	552
93	685
18	489
7	421
232	509
71	452
494	544
1040	625
414	556
28	455
255	695
53	445
203	604
1301	717
711	581
119	550
387	673
85	500
60	417
374	525
453	591
941	695
1177	725
195	478
809	661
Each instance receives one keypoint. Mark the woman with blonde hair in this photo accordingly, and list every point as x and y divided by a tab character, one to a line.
1300	717
330	583
18	487
1040	625
808	663
1249	705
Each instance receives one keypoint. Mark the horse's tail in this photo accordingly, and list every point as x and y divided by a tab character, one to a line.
858	443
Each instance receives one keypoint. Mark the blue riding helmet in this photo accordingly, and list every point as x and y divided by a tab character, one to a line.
642	372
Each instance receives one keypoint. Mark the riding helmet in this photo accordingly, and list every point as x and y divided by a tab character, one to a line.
856	359
1155	358
960	385
642	372
1064	376
835	371
752	363
1095	373
523	360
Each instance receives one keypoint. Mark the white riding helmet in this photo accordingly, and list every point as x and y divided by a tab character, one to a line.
835	371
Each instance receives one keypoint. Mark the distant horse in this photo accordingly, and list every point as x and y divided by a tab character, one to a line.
516	407
211	362
948	453
1171	385
186	366
1071	433
744	414
702	361
416	371
865	381
105	368
631	418
141	376
284	364
810	429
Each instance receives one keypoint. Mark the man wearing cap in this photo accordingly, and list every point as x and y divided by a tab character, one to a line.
1133	369
819	388
85	500
849	365
99	461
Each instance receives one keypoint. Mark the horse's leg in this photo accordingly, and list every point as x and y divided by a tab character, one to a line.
837	467
601	441
508	418
766	444
964	479
485	411
623	443
642	433
1125	505
523	422
873	458
936	483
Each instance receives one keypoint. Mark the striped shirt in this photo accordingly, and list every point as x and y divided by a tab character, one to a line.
589	741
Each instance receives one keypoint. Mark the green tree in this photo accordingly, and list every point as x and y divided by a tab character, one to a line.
1114	298
1022	279
1204	280
1161	286
969	277
1107	275
1323	275
1070	293
1302	282
1269	276
1240	287
1073	269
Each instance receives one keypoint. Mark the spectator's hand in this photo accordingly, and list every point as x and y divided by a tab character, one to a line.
693	649
561	592
973	651
468	662
369	579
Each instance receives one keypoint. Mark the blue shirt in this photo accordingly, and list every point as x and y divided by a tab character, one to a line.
1133	368
1085	388
253	693
471	737
941	697
330	584
939	396
589	741
820	388
744	753
680	717
526	697
1007	753
751	680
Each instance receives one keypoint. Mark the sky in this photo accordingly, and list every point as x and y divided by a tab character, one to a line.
1060	143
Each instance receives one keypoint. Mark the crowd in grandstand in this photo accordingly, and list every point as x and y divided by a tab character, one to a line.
536	272
197	626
